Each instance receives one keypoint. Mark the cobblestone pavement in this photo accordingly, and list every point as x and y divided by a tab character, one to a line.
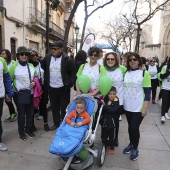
33	154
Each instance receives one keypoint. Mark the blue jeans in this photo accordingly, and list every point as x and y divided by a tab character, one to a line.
1	108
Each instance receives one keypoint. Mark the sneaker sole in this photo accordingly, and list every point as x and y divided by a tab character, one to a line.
134	159
29	136
127	152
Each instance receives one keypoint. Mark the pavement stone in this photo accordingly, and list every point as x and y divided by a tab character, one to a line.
33	154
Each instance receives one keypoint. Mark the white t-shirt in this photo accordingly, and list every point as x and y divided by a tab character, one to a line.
166	81
153	71
55	73
134	82
38	70
93	73
22	77
117	81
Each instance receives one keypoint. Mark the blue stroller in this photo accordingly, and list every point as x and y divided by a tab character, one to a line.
75	145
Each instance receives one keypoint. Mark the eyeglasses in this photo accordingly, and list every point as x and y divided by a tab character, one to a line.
132	59
93	55
3	53
26	54
55	49
32	55
110	59
152	61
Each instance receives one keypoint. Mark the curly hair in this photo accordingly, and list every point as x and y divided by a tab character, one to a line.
117	58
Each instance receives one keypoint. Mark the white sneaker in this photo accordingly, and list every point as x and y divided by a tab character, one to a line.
120	118
157	101
163	119
3	147
167	116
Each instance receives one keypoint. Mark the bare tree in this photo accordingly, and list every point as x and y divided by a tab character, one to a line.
143	11
69	22
87	14
118	30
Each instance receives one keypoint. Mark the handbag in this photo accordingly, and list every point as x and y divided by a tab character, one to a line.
24	95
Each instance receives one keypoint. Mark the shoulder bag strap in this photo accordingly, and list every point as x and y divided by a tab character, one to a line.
29	72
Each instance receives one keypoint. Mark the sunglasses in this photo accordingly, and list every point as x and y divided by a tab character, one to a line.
110	59
152	61
55	49
133	59
3	53
93	55
26	54
32	55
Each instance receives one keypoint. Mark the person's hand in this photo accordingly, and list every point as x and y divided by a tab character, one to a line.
8	99
102	101
109	102
32	84
72	124
78	124
144	112
78	92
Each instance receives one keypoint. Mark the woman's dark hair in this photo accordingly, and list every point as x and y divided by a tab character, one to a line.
8	53
94	49
143	60
137	56
117	58
81	56
113	89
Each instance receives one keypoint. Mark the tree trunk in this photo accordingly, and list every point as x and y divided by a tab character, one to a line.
69	22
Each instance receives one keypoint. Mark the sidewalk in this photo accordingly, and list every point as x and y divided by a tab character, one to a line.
33	154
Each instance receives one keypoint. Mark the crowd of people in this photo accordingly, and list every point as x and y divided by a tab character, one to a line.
30	83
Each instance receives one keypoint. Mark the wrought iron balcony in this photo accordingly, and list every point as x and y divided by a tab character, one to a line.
56	30
36	18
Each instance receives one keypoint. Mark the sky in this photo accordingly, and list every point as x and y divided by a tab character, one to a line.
97	19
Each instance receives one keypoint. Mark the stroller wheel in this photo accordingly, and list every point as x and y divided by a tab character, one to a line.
101	155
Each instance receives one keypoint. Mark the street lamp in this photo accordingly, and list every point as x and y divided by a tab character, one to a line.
76	32
54	5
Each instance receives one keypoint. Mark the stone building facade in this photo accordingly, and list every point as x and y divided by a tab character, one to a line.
23	23
155	36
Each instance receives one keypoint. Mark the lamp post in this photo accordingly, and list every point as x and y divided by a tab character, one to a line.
76	32
55	4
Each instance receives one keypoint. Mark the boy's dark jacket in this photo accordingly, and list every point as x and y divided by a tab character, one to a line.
108	112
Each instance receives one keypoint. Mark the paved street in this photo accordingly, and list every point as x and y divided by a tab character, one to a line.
33	154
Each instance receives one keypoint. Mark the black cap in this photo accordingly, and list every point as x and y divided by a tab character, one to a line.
57	43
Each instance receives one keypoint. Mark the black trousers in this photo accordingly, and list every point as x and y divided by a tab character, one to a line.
165	101
154	84
107	136
25	112
59	99
116	120
10	107
1	109
134	120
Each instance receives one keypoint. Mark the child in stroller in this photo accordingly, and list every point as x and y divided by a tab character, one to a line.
110	108
70	142
79	112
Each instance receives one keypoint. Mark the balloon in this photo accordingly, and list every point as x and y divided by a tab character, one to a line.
84	83
105	84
